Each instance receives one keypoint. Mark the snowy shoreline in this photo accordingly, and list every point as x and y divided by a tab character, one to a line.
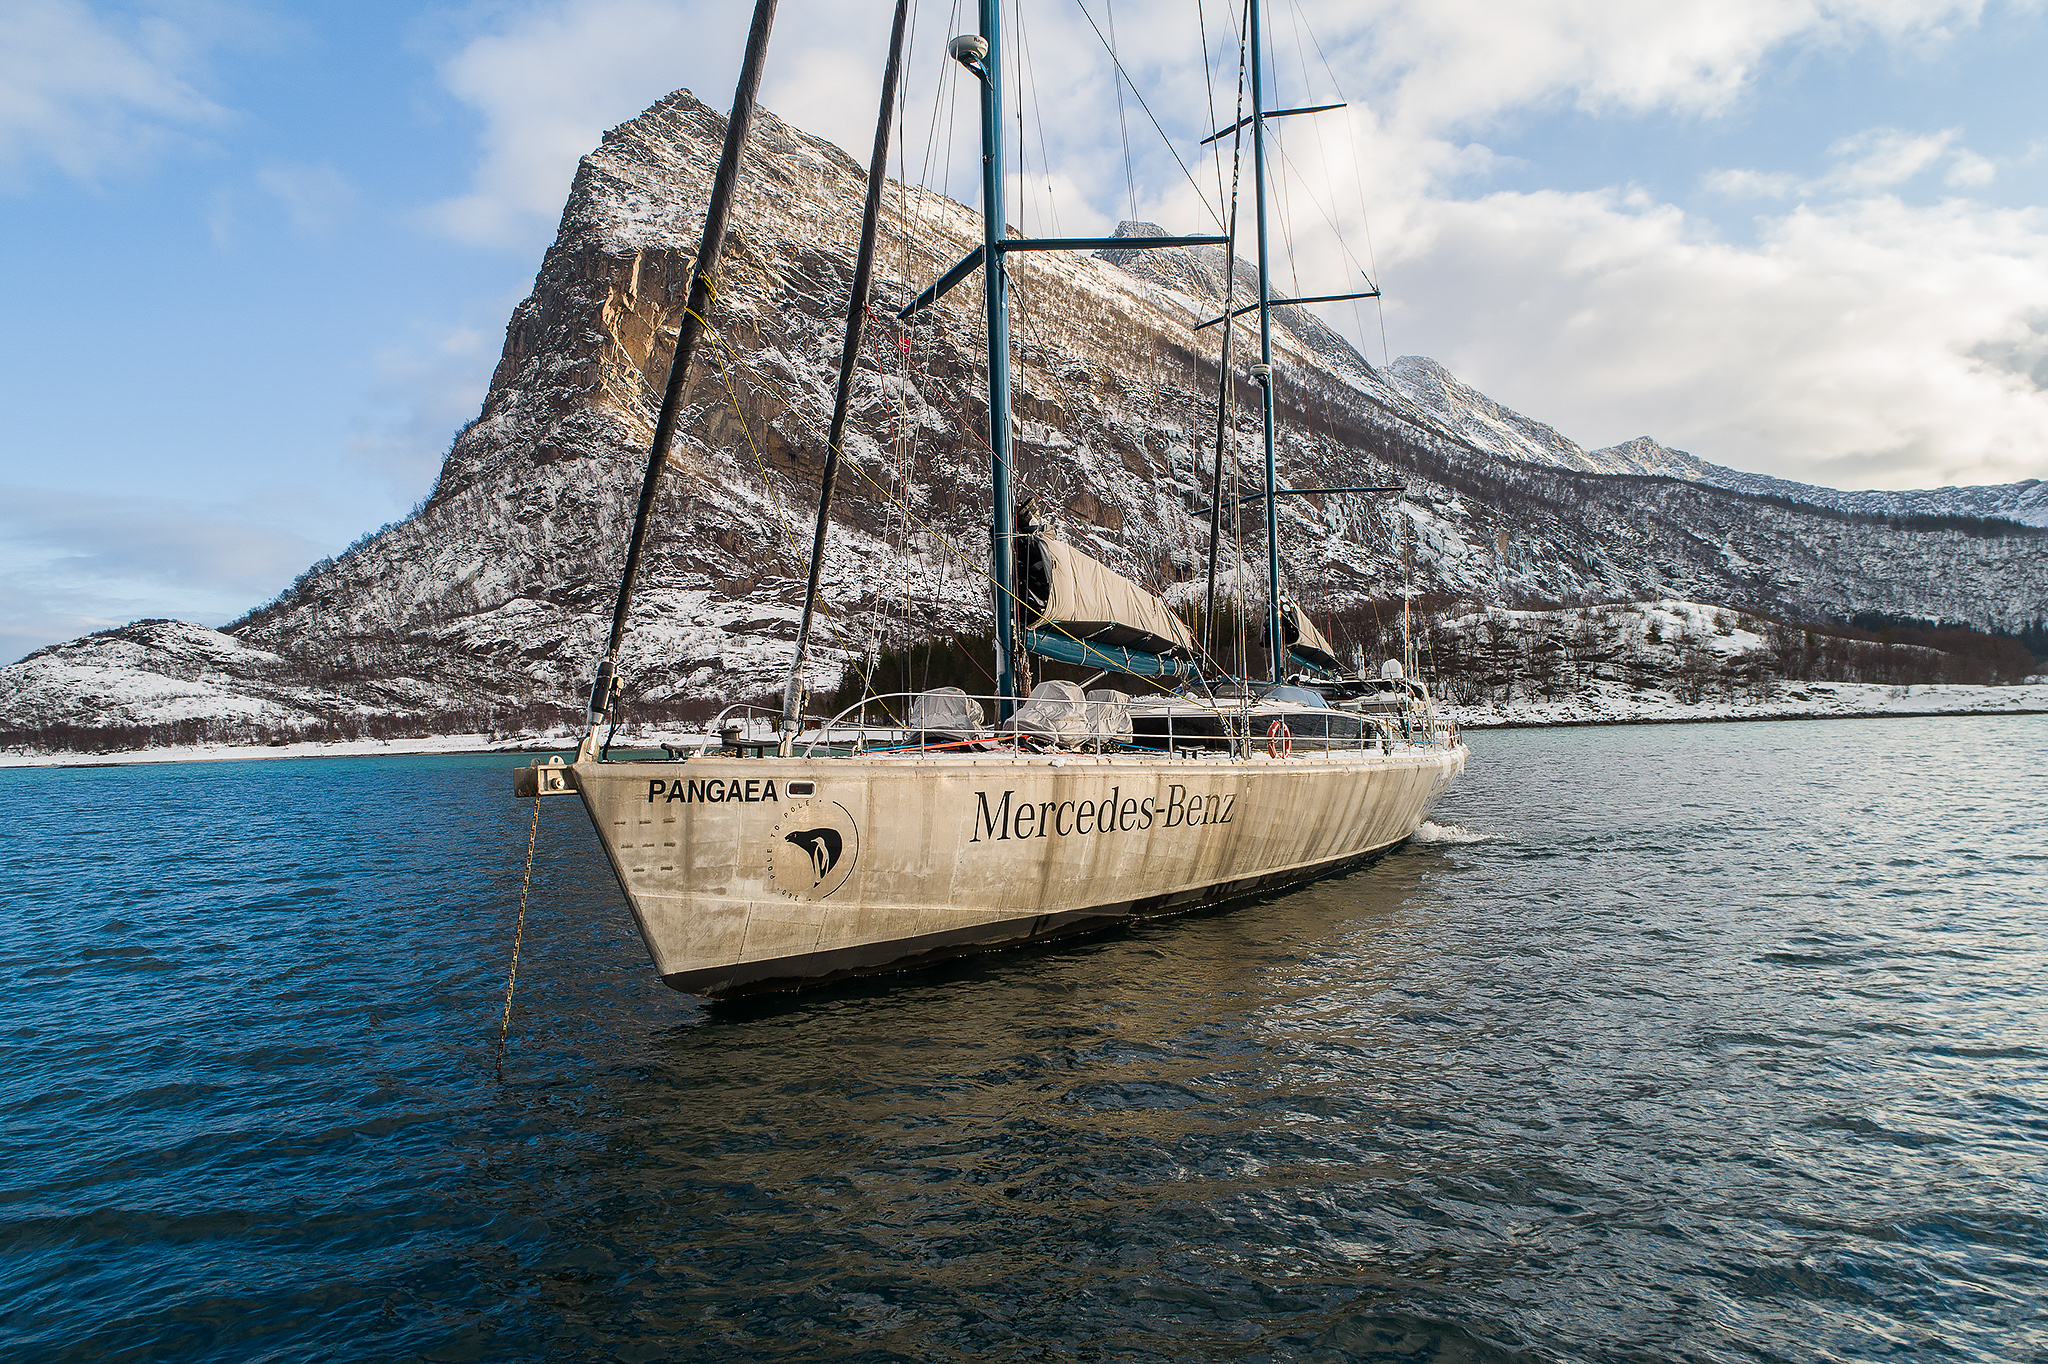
1615	705
1810	701
443	744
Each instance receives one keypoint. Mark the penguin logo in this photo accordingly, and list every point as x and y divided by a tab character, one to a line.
822	844
815	847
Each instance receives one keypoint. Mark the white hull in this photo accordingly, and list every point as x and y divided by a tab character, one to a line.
739	885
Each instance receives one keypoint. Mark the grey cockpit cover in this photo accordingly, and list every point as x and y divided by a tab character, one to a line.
1075	594
1109	716
1055	710
945	713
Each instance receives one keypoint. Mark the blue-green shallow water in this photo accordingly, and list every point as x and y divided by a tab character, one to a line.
1718	1042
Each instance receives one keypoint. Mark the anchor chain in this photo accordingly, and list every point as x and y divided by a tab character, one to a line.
518	932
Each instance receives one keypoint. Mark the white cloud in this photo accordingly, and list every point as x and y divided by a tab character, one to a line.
552	79
1865	162
1752	184
1969	170
1452	63
1870	344
1880	158
72	563
316	197
90	94
548	80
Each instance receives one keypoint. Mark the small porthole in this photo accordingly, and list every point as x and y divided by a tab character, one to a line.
802	788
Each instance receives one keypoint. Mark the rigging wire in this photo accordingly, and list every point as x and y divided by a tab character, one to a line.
902	445
1276	138
1123	125
1284	204
949	78
1016	101
1358	183
902	464
907	367
1140	97
1323	150
1241	565
903	243
925	246
1038	116
1209	89
940	104
720	344
1226	419
1026	271
1324	213
732	355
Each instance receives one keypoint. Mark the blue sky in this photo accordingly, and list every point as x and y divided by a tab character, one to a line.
260	255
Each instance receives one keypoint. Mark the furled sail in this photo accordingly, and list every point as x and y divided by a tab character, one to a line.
1304	641
1069	593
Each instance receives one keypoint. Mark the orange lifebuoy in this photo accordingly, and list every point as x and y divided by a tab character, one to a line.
1279	740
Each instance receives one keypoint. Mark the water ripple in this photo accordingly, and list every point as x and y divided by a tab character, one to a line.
1706	1043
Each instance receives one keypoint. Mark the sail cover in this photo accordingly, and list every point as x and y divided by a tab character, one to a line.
1070	593
1303	639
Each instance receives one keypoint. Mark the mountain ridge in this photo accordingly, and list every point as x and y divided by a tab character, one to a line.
495	595
1488	424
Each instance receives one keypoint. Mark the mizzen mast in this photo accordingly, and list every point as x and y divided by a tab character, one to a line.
1263	370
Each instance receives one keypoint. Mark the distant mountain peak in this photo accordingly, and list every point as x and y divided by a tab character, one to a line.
1487	424
1645	455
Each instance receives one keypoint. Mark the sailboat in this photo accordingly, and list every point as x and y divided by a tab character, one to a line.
919	827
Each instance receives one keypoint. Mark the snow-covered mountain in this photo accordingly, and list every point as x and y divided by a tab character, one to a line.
1484	423
496	594
1674	660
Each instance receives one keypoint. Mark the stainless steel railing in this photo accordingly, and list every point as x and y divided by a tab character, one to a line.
1188	727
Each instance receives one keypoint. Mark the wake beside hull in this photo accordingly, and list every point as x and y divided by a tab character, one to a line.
755	874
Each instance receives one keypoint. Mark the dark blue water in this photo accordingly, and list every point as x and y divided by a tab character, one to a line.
1690	1043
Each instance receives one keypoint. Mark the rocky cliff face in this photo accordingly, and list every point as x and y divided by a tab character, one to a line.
496	594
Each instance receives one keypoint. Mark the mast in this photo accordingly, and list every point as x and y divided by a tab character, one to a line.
1216	473
604	691
849	355
1223	399
996	289
1276	645
981	55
